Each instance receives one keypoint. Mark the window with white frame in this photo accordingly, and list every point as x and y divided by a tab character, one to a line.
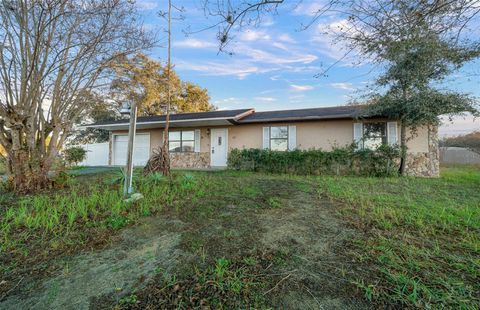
181	141
374	134
279	138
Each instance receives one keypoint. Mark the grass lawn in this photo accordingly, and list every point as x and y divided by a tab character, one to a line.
235	239
419	243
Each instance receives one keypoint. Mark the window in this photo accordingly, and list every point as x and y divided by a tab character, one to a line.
374	135
279	138
181	141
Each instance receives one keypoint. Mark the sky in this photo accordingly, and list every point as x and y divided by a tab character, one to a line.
273	66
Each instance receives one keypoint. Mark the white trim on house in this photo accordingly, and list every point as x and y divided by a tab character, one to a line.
197	135
392	133
291	137
358	134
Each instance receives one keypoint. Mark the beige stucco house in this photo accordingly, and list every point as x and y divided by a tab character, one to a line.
203	140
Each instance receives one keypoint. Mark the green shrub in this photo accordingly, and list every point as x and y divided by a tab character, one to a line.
75	154
340	161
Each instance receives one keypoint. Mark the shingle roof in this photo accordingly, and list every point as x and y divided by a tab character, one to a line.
245	116
304	114
227	114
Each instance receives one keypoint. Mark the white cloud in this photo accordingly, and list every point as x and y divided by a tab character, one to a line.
325	38
194	43
344	86
238	69
146	5
255	53
297	69
286	38
299	96
300	87
229	101
325	46
267	21
281	46
253	35
263	56
459	125
309	8
267	99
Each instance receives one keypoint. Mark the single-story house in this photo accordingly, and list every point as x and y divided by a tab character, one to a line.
204	139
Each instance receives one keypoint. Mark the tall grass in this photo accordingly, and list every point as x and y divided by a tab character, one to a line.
84	205
422	236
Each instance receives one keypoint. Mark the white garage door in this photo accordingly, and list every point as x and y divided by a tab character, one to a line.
141	151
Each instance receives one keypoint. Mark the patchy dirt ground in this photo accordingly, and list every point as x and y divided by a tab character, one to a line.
140	251
284	218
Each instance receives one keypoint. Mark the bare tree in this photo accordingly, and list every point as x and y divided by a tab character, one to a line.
170	83
231	14
53	54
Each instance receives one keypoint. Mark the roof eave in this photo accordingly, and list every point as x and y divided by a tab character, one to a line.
218	121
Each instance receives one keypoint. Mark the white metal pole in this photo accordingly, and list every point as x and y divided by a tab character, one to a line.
127	188
130	187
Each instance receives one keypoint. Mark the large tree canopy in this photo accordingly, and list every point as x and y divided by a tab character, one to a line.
144	80
417	51
54	55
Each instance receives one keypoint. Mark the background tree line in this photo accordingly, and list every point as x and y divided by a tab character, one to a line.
469	141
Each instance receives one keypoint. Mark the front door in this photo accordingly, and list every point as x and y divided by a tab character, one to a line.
218	147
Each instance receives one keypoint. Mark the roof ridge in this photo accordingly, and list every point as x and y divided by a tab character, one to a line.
317	108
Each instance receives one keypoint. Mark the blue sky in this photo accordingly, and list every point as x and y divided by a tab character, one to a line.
273	65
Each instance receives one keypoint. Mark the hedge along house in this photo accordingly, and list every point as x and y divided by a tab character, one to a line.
204	139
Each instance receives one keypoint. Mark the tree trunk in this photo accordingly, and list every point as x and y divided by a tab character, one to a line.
403	148
28	173
28	164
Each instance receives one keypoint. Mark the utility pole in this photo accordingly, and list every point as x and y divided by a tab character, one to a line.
132	128
166	168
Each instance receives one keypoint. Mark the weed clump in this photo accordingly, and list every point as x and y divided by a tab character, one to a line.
236	283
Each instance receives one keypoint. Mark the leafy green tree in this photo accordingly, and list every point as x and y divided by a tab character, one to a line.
416	57
145	80
192	98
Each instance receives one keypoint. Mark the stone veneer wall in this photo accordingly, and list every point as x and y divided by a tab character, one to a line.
425	164
190	160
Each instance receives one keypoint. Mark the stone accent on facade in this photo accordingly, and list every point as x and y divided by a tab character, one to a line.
190	160
425	164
